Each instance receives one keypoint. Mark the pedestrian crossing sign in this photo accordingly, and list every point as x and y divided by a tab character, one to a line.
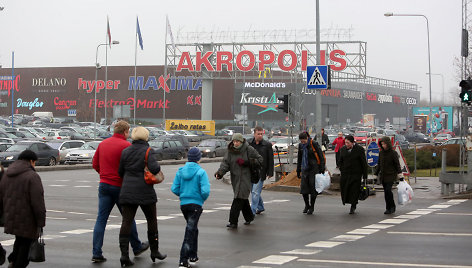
317	77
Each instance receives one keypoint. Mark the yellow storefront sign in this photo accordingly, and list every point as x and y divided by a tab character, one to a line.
207	126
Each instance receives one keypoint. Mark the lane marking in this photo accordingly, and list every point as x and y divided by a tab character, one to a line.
59	211
276	201
113	226
394	221
457	200
49	237
440	206
162	218
78	231
223	208
324	244
387	263
247	266
55	218
453	214
78	213
303	251
209	210
425	233
82	186
428	209
347	238
407	216
378	226
8	242
363	231
56	185
62	180
276	259
416	212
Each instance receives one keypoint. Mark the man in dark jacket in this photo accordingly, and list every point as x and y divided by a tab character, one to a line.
353	167
387	170
22	203
264	149
106	162
324	140
310	162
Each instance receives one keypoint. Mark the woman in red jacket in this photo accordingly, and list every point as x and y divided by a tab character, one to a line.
339	143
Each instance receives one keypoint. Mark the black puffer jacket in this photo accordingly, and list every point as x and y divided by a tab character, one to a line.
389	164
134	189
264	148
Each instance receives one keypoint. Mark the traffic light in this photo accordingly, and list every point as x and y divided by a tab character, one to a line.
285	103
466	91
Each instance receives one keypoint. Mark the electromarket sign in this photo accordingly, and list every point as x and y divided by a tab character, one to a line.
246	60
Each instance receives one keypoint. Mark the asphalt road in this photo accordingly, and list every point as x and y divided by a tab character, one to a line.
429	232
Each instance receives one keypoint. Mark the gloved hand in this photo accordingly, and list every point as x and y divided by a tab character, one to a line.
299	175
218	176
241	162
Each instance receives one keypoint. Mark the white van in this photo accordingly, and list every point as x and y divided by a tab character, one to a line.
43	114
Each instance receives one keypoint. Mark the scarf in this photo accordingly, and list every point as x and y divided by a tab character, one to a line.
305	155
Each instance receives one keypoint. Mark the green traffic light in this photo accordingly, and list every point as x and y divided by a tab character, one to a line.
466	97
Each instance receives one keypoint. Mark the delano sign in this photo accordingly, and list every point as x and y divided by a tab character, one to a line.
207	126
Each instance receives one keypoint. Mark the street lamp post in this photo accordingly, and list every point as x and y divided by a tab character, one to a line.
442	79
97	66
390	14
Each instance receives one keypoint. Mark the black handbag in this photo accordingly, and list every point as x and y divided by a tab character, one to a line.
254	169
365	191
36	252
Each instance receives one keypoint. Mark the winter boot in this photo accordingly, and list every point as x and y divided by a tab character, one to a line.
124	247
307	204
311	209
154	244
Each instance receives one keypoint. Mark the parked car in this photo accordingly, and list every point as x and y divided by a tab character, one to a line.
331	138
213	148
168	149
46	155
454	141
360	137
417	137
7	140
182	139
25	135
441	138
4	146
65	147
83	154
58	135
282	143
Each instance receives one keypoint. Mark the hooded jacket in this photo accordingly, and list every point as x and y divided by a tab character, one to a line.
22	200
191	184
389	164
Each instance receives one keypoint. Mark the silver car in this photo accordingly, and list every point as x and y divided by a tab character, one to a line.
82	155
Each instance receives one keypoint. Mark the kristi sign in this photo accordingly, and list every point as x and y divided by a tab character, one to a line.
228	59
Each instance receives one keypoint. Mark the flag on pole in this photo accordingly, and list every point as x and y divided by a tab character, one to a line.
108	33
169	30
138	32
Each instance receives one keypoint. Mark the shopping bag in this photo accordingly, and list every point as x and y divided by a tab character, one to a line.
322	182
36	252
405	193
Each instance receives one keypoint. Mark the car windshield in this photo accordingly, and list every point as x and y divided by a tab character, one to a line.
89	146
28	135
442	136
361	134
18	148
54	145
11	136
157	144
207	143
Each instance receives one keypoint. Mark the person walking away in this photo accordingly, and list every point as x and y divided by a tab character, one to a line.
264	148
135	192
387	170
237	160
23	207
338	143
192	186
106	162
353	167
310	162
324	140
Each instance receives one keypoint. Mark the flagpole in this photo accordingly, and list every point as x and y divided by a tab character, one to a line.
135	61
165	75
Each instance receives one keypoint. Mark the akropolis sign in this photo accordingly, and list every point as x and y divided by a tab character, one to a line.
235	61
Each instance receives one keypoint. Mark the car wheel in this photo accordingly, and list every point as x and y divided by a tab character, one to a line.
52	161
213	155
179	156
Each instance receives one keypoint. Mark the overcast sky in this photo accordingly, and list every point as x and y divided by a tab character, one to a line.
52	33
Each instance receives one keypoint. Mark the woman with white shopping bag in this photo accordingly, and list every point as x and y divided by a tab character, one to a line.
388	170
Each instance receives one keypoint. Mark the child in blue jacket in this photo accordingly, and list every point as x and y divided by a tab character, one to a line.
192	186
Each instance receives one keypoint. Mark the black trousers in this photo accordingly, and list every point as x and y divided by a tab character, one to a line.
238	205
19	255
388	194
129	212
337	158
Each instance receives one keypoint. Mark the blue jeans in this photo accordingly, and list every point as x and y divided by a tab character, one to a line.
256	199
108	197
192	214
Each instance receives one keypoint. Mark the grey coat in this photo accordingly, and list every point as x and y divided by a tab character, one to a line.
240	175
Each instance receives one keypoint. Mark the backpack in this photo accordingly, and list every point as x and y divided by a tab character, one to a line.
318	161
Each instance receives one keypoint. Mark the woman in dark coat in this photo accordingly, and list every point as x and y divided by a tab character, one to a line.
22	203
387	171
307	168
236	161
353	167
136	192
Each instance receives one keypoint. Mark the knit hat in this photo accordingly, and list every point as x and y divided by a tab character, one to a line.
194	154
238	137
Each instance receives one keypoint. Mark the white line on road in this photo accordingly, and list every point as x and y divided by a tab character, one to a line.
302	251
83	186
347	238
276	259
223	208
425	233
407	216
276	201
457	200
387	263
440	206
394	221
378	226
50	210
419	212
55	218
113	226
363	231
324	244
454	214
57	185
78	231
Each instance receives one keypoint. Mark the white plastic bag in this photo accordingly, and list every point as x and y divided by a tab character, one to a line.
322	182
405	193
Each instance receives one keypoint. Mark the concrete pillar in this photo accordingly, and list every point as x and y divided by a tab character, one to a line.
207	89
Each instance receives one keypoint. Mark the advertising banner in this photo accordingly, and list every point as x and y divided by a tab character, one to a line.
419	123
441	117
206	126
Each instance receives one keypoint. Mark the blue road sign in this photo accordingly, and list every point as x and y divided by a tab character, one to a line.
372	154
317	77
